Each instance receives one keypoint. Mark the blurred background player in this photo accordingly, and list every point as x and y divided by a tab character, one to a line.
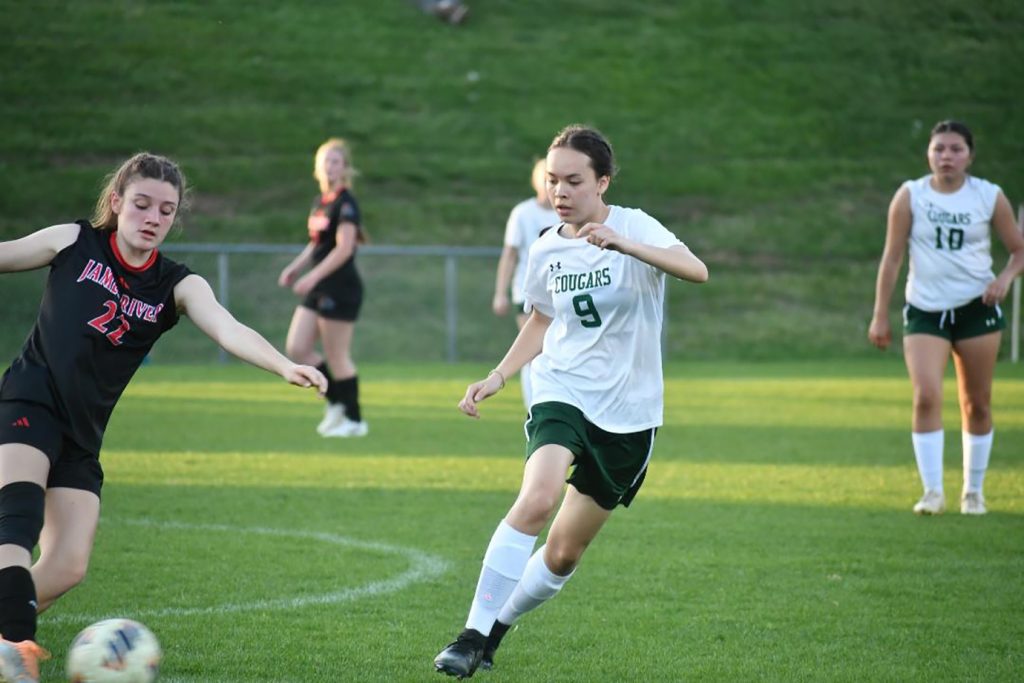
449	11
595	287
525	222
109	296
952	304
331	291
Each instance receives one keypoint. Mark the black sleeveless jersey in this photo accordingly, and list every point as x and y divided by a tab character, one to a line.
329	211
98	319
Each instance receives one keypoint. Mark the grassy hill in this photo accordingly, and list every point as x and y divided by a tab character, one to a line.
769	135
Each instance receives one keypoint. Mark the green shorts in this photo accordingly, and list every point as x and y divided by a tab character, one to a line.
973	319
608	467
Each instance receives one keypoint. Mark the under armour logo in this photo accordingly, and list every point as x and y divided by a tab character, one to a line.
555	266
990	322
20	422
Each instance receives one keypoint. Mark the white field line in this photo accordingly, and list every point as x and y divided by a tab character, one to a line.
423	567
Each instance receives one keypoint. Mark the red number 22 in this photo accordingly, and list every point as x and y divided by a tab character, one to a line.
100	323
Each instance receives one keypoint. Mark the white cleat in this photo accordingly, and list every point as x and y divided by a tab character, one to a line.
931	503
972	503
349	428
334	415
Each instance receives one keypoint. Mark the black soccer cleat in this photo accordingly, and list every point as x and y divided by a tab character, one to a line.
462	657
498	632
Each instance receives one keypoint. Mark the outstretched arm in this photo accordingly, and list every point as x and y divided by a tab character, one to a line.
525	348
38	249
195	298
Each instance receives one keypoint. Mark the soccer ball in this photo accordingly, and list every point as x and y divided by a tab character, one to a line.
114	651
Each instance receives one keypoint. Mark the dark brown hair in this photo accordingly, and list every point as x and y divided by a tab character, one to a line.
591	142
953	126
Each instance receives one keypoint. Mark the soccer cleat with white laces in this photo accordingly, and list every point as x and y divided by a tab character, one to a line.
334	415
19	662
931	503
972	503
348	428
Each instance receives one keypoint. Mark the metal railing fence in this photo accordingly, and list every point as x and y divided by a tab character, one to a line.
451	256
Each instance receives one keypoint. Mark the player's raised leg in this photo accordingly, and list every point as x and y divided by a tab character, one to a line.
65	545
507	555
577	523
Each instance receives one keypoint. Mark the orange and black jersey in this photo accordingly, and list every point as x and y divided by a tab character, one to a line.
98	319
327	213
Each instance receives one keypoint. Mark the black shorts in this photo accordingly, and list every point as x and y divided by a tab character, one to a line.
608	467
33	424
973	319
335	305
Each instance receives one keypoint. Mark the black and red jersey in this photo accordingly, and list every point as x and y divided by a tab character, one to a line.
327	213
98	319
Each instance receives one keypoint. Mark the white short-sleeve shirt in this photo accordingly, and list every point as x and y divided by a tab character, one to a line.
525	222
602	351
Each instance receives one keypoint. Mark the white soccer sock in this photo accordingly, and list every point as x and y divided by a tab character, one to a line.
928	453
977	448
527	384
538	585
506	557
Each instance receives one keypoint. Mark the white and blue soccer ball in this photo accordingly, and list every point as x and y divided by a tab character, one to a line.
114	651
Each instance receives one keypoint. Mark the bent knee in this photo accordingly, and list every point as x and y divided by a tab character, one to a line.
562	558
534	508
70	572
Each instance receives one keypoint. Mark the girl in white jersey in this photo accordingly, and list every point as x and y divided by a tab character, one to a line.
594	289
524	226
952	304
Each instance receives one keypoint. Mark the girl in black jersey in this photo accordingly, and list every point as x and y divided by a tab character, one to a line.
109	296
331	290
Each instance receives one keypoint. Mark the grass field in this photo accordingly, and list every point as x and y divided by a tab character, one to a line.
773	539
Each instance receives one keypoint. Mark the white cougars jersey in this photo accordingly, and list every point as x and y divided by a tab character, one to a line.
950	243
602	351
525	222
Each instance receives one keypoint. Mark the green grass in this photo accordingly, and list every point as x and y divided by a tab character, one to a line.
769	135
772	539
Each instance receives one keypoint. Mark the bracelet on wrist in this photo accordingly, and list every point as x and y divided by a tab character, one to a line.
497	372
